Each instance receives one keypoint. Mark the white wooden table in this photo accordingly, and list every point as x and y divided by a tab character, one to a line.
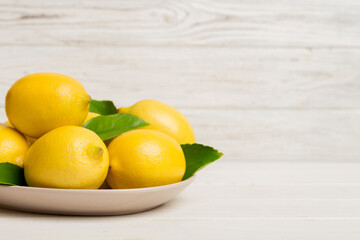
227	201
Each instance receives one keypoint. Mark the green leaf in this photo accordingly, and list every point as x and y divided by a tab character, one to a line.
102	107
198	156
11	174
109	126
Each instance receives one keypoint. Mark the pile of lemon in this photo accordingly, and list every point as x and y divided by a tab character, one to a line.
45	136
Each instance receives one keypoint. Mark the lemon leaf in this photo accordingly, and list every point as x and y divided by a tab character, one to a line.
109	126
198	156
105	107
11	174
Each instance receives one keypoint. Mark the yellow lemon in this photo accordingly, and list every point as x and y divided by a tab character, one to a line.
40	102
145	158
29	139
13	145
67	157
90	115
164	118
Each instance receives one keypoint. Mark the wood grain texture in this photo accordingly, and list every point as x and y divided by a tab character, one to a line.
260	80
252	104
203	23
221	78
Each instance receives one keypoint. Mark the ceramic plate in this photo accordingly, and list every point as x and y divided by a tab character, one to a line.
88	202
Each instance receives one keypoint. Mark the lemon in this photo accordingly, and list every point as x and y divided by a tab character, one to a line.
145	158
40	102
164	118
90	115
29	139
67	157
13	145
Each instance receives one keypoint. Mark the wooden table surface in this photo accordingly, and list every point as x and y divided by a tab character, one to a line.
228	200
273	84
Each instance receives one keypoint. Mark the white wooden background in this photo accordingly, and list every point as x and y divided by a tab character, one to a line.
273	84
261	80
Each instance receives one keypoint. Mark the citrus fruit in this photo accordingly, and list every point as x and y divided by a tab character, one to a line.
164	118
145	158
13	145
40	102
29	139
67	157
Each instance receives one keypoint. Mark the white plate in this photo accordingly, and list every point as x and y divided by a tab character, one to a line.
88	202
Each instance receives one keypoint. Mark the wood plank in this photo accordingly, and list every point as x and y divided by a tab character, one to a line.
181	23
120	228
221	78
278	135
234	173
282	135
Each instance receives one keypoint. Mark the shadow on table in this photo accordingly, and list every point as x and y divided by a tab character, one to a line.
167	207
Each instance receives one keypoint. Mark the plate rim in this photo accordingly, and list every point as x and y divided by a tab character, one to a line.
162	187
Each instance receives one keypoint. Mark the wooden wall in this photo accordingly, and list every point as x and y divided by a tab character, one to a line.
266	80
